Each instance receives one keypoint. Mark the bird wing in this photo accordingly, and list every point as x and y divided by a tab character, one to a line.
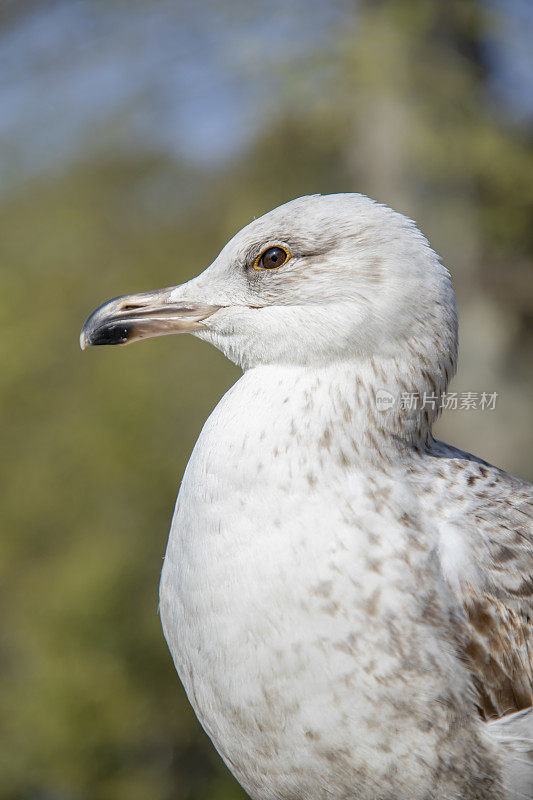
492	577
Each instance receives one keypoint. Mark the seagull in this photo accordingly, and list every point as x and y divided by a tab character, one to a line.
347	600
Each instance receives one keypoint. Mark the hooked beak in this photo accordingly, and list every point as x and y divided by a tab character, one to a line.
140	316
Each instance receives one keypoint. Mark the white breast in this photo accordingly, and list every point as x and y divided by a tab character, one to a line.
301	601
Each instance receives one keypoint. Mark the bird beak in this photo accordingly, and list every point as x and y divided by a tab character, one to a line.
139	316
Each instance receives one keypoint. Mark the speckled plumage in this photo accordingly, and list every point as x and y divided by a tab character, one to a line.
346	599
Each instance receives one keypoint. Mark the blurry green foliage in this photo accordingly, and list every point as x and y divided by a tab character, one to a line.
94	445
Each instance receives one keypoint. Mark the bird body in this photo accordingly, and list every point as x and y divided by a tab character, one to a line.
346	600
312	622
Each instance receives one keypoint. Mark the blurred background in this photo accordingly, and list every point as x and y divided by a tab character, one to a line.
136	138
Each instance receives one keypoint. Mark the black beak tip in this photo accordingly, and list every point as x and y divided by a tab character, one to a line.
111	333
114	333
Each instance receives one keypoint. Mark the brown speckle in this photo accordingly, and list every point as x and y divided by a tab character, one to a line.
324	588
311	480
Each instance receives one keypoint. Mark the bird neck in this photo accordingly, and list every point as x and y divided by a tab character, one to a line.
368	408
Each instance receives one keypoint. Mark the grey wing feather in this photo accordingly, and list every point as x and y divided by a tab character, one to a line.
514	733
496	519
507	523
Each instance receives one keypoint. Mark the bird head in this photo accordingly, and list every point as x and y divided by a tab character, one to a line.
323	278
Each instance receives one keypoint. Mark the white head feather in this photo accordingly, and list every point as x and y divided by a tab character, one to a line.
362	285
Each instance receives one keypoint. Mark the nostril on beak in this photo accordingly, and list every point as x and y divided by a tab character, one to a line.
130	306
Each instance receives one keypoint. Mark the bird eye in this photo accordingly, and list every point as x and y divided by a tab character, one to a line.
272	258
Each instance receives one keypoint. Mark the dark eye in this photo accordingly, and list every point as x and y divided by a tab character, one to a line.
272	258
